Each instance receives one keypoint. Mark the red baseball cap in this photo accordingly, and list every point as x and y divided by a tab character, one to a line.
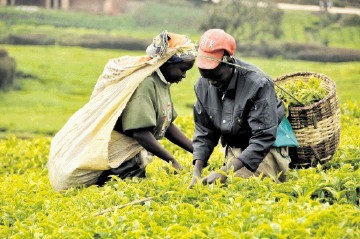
213	44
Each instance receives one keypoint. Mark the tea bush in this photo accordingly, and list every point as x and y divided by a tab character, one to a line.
105	41
29	39
320	202
325	54
302	51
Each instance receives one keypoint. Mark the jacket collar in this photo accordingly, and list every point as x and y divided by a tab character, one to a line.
233	81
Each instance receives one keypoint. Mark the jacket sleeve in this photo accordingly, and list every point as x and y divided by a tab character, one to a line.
206	137
263	121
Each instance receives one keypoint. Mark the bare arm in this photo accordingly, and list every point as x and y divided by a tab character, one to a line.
148	141
175	135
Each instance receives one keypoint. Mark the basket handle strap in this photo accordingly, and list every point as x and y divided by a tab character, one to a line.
262	74
317	157
314	117
224	60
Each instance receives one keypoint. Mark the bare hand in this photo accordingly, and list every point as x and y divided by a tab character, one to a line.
194	180
177	165
213	176
199	164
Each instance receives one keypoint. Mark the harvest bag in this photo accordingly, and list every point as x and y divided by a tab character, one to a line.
316	126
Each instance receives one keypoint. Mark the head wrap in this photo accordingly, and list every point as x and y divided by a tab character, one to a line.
164	40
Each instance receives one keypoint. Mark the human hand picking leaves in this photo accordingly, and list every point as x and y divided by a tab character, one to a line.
176	165
213	176
199	164
235	164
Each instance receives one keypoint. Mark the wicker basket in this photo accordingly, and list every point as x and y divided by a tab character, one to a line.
316	126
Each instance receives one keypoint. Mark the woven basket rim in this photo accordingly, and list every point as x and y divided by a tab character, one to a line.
321	76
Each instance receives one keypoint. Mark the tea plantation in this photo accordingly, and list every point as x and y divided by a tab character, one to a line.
321	202
53	81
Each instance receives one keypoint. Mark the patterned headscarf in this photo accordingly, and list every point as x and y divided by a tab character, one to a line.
164	40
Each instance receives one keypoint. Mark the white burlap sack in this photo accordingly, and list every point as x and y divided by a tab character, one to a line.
87	144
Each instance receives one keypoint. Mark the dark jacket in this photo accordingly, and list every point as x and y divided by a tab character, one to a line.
246	116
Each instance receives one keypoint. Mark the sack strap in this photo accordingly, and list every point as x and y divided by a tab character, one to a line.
224	60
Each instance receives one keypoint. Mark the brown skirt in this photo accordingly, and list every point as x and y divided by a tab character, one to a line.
274	165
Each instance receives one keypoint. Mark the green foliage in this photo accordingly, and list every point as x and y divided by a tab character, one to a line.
320	202
305	92
306	27
301	51
19	155
145	19
29	39
12	16
245	20
105	41
351	109
174	17
324	54
351	20
55	86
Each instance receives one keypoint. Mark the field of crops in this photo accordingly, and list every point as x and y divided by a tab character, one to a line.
320	202
52	82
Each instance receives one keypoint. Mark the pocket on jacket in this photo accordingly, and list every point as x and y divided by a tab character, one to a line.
263	115
238	122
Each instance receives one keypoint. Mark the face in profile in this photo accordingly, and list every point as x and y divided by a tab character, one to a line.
175	72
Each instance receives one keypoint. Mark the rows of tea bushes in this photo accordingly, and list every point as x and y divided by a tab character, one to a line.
315	33
319	202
